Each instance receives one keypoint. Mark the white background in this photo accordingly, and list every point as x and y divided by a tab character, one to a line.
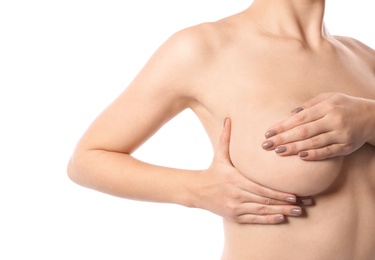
61	63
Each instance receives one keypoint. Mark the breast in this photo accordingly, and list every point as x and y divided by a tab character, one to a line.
288	174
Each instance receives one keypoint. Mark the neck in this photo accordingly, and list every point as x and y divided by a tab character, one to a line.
295	19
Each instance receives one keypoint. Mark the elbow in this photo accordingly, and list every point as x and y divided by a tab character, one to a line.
74	169
81	168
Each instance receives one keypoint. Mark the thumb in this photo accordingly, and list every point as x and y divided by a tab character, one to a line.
222	152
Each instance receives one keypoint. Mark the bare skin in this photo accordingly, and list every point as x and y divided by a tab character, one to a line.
324	126
254	68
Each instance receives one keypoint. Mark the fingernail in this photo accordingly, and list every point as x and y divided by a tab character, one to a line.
296	211
280	149
267	145
306	201
290	199
270	133
297	110
279	219
303	154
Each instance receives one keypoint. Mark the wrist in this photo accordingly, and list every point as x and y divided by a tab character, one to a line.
188	197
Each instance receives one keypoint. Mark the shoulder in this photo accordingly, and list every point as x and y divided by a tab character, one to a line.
179	63
199	44
189	53
360	49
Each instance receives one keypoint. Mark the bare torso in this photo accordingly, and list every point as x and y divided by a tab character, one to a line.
235	68
257	80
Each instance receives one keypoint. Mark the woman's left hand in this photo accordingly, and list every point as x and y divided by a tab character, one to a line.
328	125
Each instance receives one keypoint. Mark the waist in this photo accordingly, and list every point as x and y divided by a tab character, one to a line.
328	231
339	226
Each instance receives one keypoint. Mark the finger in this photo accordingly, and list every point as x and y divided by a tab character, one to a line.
326	152
305	201
252	213
257	219
312	102
317	99
222	152
314	142
261	209
300	115
301	118
267	195
304	132
247	197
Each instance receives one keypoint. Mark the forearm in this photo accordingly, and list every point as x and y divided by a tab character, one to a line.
122	175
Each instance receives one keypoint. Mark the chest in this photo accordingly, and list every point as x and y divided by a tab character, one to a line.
271	84
256	93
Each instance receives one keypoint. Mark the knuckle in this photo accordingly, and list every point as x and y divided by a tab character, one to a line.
231	209
299	118
268	201
263	192
279	197
259	190
291	148
330	107
303	132
328	151
279	139
285	210
316	141
279	128
236	196
262	210
250	219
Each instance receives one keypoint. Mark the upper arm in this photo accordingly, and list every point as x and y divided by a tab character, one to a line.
162	89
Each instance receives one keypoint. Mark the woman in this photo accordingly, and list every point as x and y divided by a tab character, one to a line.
247	71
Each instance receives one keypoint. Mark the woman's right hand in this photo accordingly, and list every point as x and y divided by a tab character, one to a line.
223	190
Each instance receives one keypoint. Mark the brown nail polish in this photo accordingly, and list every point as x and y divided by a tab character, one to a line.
306	201
280	149
303	154
297	110
290	199
268	145
296	211
279	219
270	133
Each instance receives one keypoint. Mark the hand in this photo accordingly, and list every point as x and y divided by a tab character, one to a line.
223	190
329	125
